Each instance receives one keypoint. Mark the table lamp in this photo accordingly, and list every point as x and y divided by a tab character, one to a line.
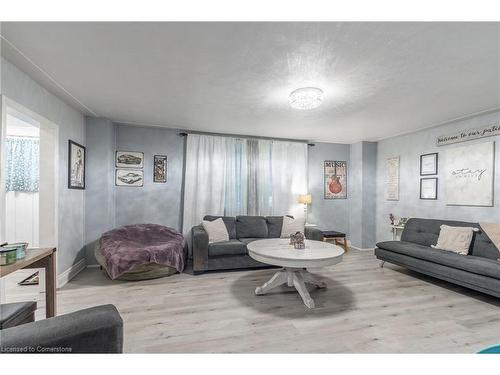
305	199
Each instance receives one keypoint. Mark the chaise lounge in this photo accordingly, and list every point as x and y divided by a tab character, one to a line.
479	270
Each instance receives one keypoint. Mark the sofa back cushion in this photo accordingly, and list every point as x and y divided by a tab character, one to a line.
228	220
274	225
251	227
426	232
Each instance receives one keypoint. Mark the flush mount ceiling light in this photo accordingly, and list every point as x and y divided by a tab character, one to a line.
306	98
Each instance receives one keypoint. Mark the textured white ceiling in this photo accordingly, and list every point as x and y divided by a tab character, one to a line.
379	79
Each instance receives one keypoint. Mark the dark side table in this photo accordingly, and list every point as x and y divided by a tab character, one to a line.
337	237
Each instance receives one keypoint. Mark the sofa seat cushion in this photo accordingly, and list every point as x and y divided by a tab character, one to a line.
469	263
246	241
251	227
231	247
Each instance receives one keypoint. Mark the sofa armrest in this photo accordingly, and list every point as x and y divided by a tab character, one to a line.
200	248
95	330
313	234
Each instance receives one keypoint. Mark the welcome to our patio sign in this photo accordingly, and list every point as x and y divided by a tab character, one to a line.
467	135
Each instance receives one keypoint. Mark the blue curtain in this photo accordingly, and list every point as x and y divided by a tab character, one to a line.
22	164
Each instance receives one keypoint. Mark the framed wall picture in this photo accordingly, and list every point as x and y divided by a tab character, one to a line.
470	175
76	165
392	178
160	168
428	164
129	159
335	179
129	177
429	188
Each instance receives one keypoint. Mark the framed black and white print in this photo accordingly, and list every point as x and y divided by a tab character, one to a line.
129	177
429	188
428	164
160	168
129	159
76	165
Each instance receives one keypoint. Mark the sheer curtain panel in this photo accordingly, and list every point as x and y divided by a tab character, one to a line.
205	178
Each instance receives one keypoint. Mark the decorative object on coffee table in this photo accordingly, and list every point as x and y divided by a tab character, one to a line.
299	242
337	237
278	252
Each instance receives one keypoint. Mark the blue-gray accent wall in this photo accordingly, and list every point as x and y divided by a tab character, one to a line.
328	214
100	192
158	203
19	87
363	184
409	147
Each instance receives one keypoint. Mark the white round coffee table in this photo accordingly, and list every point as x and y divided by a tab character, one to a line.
278	252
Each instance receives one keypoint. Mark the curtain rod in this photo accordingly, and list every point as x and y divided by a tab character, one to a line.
237	136
22	136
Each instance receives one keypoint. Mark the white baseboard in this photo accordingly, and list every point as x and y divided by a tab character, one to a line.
71	272
361	249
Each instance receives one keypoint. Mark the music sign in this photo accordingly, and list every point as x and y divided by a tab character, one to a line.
335	179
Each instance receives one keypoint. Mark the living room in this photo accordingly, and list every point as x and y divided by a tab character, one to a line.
250	187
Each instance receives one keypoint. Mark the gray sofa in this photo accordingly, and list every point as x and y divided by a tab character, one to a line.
479	270
95	330
233	254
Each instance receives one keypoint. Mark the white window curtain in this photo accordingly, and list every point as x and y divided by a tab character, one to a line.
204	189
233	176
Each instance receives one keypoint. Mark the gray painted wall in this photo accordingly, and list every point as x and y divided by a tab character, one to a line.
100	189
328	214
363	194
158	203
162	203
355	214
19	87
409	147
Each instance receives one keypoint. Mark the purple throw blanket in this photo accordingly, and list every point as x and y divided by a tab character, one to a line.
132	246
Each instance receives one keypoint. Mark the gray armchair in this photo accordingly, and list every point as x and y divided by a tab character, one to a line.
233	254
95	330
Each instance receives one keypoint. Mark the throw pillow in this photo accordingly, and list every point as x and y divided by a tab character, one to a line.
291	226
217	231
456	239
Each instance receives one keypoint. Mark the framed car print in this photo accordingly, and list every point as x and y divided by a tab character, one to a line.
129	159
129	177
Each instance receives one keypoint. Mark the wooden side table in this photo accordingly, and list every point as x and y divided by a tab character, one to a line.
39	258
337	237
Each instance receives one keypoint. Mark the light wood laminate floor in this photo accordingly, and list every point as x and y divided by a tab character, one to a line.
363	309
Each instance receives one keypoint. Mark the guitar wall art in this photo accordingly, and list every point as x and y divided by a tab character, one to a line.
335	179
